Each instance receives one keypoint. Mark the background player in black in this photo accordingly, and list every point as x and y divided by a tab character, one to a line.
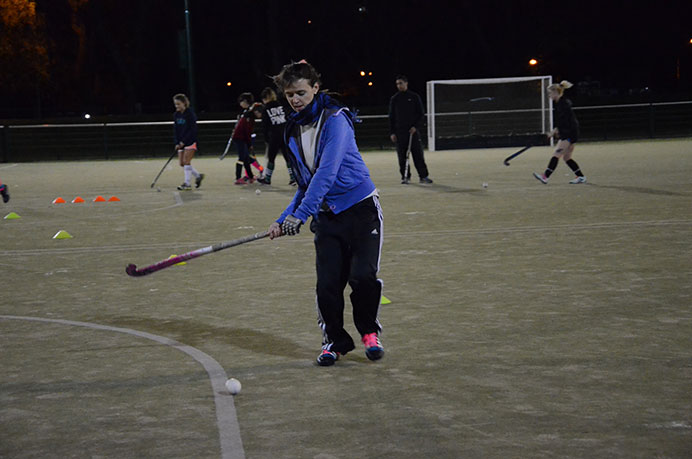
273	122
405	119
566	131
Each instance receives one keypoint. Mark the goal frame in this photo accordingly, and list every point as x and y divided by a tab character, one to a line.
546	112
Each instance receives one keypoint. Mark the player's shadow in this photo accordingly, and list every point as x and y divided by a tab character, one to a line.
197	334
190	197
638	189
440	188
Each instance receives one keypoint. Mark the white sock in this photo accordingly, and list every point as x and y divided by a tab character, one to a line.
193	170
187	174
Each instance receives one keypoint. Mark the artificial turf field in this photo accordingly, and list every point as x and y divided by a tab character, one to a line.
525	320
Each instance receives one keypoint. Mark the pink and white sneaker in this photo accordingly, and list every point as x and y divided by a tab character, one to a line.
373	347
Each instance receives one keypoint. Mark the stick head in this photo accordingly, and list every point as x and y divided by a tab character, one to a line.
506	163
131	270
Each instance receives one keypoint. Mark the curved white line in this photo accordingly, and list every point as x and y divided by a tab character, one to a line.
226	419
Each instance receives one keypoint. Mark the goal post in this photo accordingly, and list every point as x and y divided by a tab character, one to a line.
488	112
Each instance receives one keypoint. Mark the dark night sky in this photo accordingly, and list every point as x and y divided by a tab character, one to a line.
120	57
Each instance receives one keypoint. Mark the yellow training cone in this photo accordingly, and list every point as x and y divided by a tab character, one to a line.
384	300
12	216
62	234
177	264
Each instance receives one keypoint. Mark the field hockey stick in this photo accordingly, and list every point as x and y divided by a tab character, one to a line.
514	155
132	270
230	139
228	146
408	153
163	168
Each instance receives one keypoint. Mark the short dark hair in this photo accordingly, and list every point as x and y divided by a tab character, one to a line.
401	77
247	97
290	73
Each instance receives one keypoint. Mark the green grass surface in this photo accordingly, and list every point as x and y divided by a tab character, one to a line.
526	320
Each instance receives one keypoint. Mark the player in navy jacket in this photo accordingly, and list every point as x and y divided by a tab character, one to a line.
186	139
335	190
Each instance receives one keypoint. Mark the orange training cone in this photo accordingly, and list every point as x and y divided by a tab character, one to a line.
58	200
99	199
76	200
113	199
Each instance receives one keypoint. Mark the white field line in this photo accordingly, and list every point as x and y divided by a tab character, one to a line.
226	418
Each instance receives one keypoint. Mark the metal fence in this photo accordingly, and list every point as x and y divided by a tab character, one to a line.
50	142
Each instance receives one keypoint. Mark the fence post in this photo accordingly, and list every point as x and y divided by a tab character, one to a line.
5	143
105	141
652	126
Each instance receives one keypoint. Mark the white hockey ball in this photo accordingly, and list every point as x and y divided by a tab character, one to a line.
233	386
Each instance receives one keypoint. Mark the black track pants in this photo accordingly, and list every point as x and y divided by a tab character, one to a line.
348	248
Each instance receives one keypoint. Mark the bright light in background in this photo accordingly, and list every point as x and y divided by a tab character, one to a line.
369	83
370	73
362	73
309	21
533	62
87	116
228	83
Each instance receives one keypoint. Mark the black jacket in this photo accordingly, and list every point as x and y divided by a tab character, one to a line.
565	121
405	112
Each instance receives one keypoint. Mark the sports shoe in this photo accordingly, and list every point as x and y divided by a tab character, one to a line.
198	180
265	180
405	181
241	181
327	358
184	187
4	193
373	347
425	180
577	180
541	178
293	182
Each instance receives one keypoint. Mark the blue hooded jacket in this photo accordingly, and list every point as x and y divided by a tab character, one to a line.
341	178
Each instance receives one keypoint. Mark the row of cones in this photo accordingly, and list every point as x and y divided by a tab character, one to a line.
79	199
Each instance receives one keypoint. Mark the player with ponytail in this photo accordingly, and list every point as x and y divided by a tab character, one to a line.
566	131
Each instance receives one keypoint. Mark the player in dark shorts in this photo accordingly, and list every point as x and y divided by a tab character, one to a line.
566	131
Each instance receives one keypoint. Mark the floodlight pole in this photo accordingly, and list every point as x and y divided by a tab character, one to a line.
190	77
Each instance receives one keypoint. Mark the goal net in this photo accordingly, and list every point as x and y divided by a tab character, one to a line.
490	112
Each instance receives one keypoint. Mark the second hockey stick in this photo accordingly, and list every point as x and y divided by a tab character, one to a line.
163	168
514	155
408	154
